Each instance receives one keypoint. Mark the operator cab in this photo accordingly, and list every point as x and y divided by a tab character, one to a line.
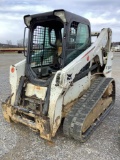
55	39
46	47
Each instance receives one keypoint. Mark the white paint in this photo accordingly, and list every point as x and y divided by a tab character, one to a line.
55	105
15	77
75	90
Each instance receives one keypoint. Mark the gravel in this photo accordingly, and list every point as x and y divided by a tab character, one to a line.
18	142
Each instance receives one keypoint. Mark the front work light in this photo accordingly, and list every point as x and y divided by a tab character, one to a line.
27	20
61	15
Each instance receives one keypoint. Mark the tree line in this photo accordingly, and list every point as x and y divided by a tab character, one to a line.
19	43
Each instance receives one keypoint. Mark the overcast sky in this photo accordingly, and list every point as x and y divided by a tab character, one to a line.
101	13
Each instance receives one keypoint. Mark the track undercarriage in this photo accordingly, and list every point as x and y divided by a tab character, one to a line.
90	110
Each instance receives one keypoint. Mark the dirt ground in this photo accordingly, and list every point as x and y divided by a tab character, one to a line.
18	142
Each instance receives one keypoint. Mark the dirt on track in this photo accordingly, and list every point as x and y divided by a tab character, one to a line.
18	142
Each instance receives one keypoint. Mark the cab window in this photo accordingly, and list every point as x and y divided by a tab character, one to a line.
78	41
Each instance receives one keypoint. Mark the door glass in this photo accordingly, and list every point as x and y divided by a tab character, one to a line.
78	41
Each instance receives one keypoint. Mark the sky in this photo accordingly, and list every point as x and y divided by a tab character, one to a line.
101	14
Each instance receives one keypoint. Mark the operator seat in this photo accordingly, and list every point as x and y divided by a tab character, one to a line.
56	60
59	47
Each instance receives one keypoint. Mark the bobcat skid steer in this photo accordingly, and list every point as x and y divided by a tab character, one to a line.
64	77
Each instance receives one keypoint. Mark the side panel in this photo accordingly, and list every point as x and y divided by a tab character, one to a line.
16	71
55	105
76	89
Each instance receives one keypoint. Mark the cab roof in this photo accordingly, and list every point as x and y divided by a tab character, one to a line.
68	15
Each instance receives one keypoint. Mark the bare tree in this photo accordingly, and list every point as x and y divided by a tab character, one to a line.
20	43
9	42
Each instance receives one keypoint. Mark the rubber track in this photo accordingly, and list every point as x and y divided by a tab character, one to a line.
72	126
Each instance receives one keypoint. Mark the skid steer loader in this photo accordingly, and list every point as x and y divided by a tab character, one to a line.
65	77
